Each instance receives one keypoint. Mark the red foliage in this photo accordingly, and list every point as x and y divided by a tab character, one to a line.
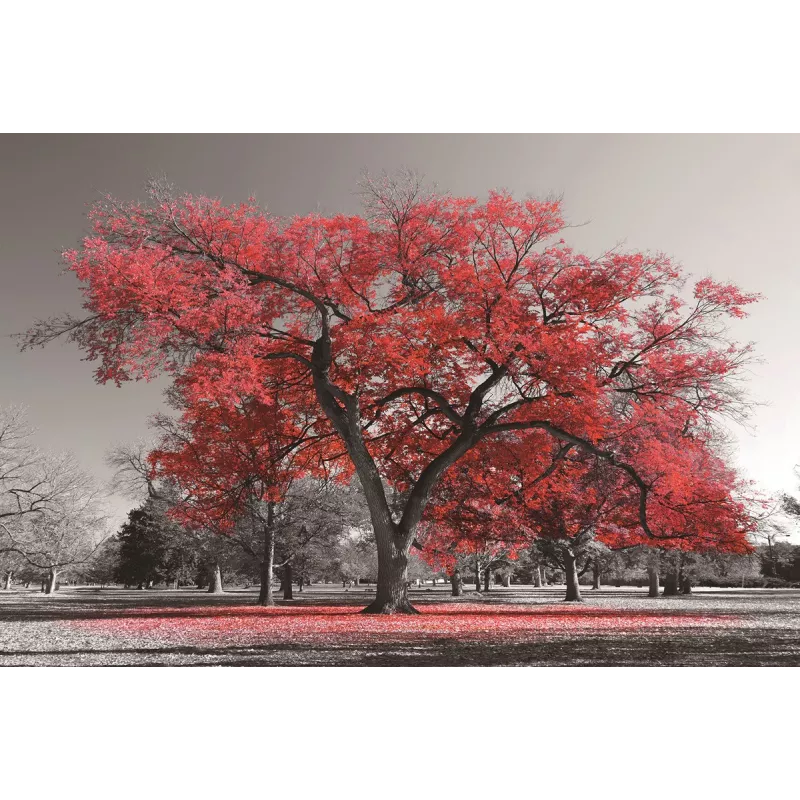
429	327
229	453
529	490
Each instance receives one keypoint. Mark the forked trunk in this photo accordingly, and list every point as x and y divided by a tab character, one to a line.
652	577
215	587
50	584
596	574
287	582
392	537
571	571
392	591
671	584
265	597
457	587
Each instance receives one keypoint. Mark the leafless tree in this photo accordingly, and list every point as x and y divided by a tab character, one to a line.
51	512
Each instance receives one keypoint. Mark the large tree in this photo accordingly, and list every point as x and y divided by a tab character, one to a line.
416	331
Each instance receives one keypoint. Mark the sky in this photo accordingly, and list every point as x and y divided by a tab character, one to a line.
722	205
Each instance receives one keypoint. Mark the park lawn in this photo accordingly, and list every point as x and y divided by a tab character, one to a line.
515	627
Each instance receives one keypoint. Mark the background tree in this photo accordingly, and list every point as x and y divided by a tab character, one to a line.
60	518
154	548
103	566
355	557
11	563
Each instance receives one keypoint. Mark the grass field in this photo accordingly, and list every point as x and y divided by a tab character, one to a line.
517	626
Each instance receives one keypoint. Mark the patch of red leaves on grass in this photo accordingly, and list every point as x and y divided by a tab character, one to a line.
344	626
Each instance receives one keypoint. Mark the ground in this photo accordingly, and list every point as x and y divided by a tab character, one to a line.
508	627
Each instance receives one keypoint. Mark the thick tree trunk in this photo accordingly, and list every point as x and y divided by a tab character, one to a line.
595	574
456	585
537	577
287	582
7	583
477	577
507	580
392	589
50	584
671	584
571	572
652	576
487	579
392	537
686	584
215	587
265	597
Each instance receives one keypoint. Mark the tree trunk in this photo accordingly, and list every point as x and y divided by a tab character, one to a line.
507	580
671	584
175	584
477	576
392	590
571	573
686	584
265	597
50	584
652	576
537	577
215	587
300	582
7	584
595	574
457	587
487	579
287	581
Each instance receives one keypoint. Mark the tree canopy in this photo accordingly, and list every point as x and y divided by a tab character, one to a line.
403	338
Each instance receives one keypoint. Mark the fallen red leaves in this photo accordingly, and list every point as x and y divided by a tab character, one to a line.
344	626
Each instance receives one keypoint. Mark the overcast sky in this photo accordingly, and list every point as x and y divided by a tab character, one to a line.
722	205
